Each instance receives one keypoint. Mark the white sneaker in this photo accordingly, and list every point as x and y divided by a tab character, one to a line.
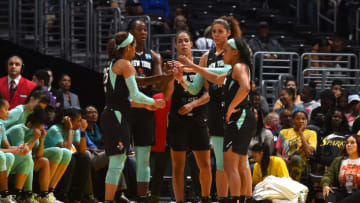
53	198
7	199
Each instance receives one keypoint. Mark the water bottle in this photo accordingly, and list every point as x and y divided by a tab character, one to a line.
349	182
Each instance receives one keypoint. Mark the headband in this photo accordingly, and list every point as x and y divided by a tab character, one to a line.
127	41
232	43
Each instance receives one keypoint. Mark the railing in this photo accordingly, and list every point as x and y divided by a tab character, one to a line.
5	21
326	60
323	77
26	22
165	41
324	17
51	23
269	65
107	22
78	26
197	53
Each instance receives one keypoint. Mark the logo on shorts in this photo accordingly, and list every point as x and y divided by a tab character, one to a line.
228	145
120	145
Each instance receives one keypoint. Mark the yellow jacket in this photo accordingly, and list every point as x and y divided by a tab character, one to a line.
277	167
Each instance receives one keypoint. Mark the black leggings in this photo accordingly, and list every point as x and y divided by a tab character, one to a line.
75	180
161	163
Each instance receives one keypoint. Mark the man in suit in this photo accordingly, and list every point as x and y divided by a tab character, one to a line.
70	99
13	87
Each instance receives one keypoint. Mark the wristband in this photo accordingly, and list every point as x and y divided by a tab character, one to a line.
82	134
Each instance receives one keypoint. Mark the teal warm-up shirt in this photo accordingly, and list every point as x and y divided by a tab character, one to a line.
56	134
17	115
20	134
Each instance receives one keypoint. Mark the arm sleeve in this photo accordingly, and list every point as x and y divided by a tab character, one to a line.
135	94
195	86
198	82
13	117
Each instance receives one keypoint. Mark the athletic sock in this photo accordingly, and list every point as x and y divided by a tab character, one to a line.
44	193
51	190
205	199
242	199
4	193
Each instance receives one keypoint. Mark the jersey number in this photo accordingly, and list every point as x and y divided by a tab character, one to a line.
106	78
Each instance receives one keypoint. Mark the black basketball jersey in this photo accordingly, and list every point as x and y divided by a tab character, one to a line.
180	97
116	91
216	105
143	65
230	89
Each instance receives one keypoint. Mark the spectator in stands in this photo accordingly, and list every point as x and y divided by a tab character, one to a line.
328	104
56	93
13	87
266	165
285	119
159	6
263	42
308	103
272	122
336	128
287	97
69	98
118	4
289	83
180	24
342	102
296	145
354	103
263	103
342	174
263	135
93	130
42	78
133	8
205	42
322	46
336	87
255	100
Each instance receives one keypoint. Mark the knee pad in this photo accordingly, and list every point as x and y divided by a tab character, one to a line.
116	165
142	155
29	180
2	161
218	143
27	165
247	162
66	156
10	159
54	154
